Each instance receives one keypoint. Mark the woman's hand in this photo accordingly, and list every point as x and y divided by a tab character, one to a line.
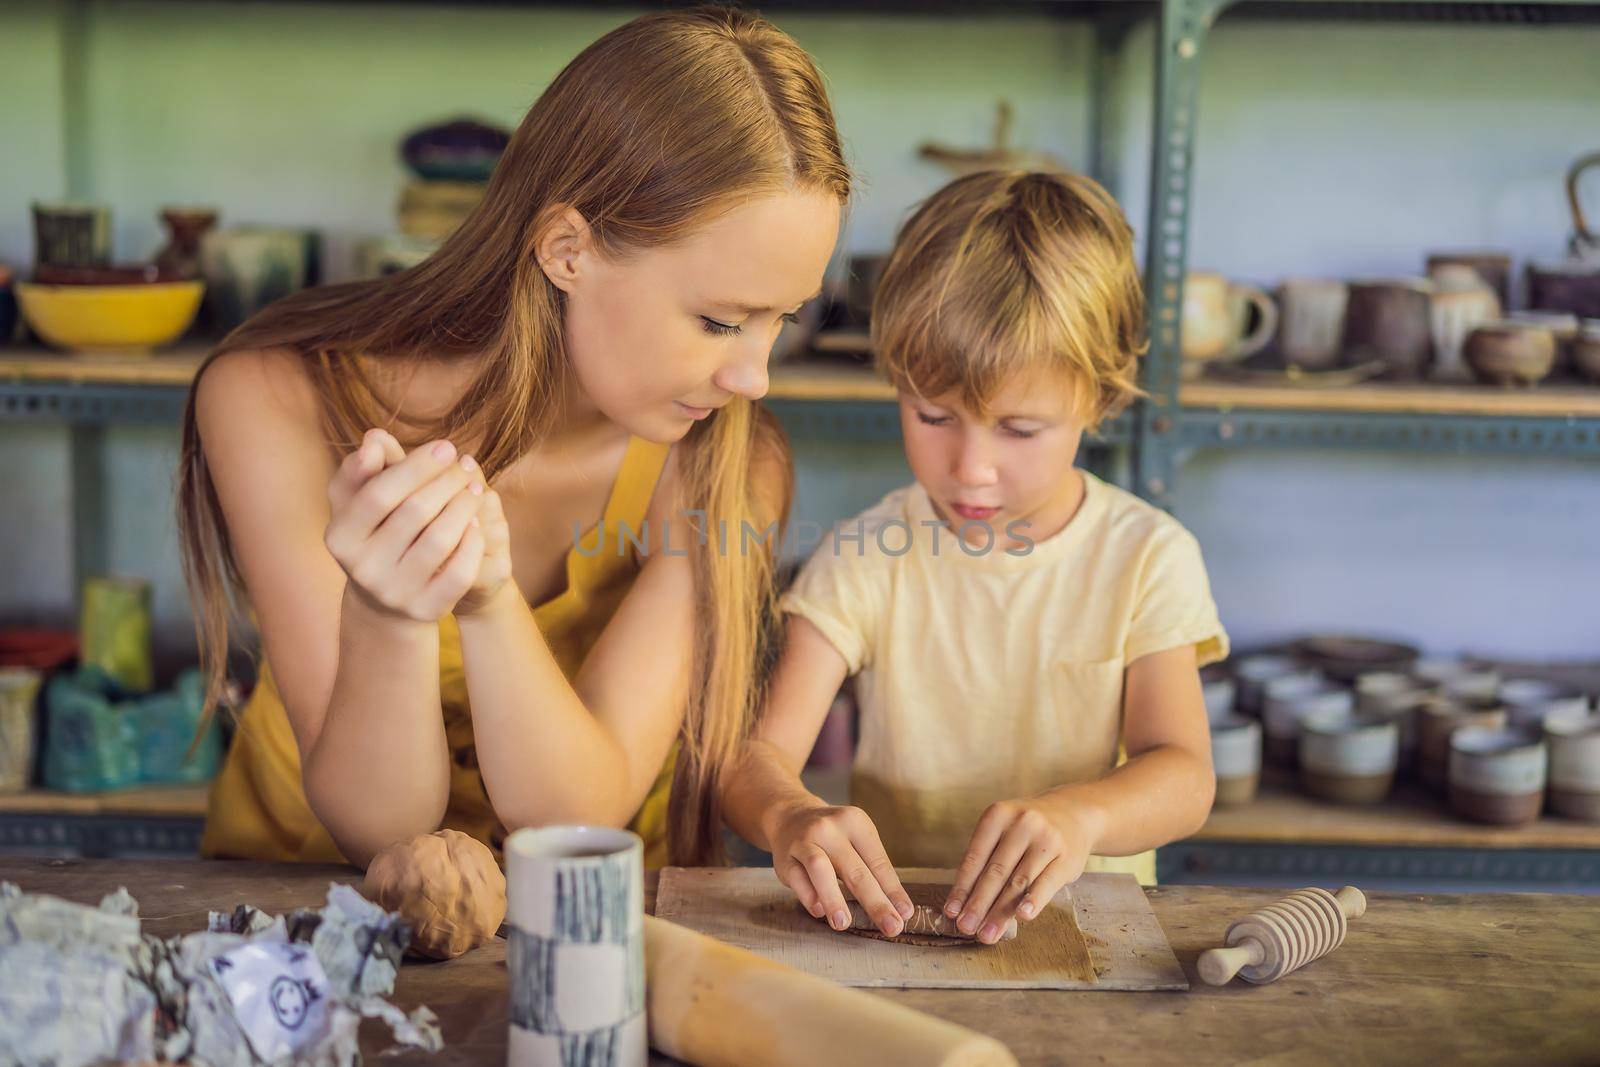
1021	853
406	529
814	846
494	570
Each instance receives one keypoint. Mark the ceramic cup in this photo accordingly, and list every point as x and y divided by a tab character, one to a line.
1347	757
1289	699
248	267
19	692
1564	326
1252	674
1572	285
1493	267
71	235
1461	304
1219	691
1497	775
1507	352
1574	740
1461	681
1311	324
575	951
1395	696
1586	350
1236	758
1437	720
1529	700
1223	320
1389	320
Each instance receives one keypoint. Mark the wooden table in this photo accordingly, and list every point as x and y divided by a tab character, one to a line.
1485	978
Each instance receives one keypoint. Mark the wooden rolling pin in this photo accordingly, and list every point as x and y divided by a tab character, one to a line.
1283	937
712	1004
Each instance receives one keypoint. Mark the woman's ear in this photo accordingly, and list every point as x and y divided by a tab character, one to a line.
562	246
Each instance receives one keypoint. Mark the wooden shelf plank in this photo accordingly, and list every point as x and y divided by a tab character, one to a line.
833	380
1554	401
175	367
1411	818
171	801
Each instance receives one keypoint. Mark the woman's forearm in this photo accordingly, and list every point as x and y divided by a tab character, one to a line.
544	756
759	789
378	771
1155	798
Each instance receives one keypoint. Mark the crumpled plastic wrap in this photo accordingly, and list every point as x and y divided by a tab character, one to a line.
82	985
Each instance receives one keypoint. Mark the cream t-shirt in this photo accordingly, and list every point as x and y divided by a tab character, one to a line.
985	677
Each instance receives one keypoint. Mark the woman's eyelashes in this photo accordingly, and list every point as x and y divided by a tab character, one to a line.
733	329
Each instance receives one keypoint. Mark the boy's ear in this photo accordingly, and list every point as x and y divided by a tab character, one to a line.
564	241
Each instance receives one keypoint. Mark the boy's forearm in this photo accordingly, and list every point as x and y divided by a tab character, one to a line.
759	790
1155	798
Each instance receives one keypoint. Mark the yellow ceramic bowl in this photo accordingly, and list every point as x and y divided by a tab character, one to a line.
110	319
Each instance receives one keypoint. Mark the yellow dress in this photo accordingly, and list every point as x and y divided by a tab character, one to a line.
258	808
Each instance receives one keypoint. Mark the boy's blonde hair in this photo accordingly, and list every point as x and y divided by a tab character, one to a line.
1007	272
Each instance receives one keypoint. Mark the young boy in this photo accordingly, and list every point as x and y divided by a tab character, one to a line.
1025	638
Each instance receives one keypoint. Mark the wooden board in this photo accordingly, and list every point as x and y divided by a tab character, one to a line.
1097	934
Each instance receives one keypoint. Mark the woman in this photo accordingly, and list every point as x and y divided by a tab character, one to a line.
393	472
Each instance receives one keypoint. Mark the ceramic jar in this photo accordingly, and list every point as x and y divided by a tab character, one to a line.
1236	759
1252	674
1289	699
1461	303
1349	758
1574	740
1497	775
1529	700
1437	720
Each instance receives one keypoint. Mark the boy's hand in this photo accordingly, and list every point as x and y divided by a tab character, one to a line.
815	846
1021	854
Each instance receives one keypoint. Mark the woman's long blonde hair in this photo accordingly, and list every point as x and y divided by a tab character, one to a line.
649	132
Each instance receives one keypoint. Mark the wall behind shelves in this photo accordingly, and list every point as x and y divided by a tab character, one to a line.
290	113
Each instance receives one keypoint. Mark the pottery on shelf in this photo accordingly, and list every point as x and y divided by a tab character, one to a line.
1390	320
460	150
1311	322
1507	352
1437	721
1288	700
1218	688
1461	303
1574	740
1252	674
1398	697
1494	268
1497	775
1586	350
1529	700
1236	759
1223	320
248	267
186	226
71	235
8	306
1347	757
1344	657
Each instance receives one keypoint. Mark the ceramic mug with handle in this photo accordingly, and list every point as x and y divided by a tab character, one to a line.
1224	320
